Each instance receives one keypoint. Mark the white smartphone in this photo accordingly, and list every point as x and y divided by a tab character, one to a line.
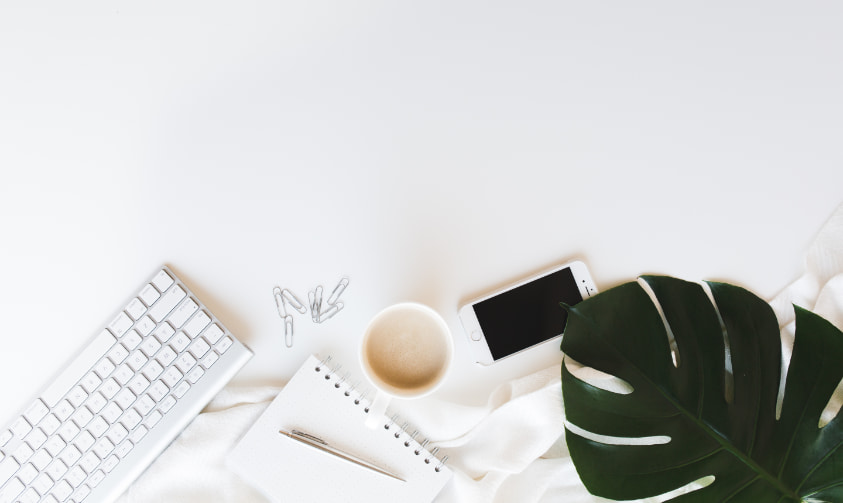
525	314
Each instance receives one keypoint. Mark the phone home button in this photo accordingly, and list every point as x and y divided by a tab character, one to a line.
476	335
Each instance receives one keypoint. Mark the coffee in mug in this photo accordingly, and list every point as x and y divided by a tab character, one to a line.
406	352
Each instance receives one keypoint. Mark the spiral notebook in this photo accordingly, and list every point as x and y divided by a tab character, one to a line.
322	403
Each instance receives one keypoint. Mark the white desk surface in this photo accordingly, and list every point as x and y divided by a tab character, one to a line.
429	151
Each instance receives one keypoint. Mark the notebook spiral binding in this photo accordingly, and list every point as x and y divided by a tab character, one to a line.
430	457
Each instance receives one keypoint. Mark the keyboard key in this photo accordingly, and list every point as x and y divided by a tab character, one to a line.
121	324
70	455
91	381
158	390
41	459
130	419
124	398
138	384
210	359
149	295
11	491
29	496
213	333
104	368
103	447
137	360
197	324
153	419
21	427
56	470
63	410
89	462
117	433
144	405
23	452
98	427
84	441
150	346
135	309
166	303
27	474
162	281
5	437
223	345
110	463
50	424
8	467
183	312
68	431
81	493
152	370
195	374
166	356
62	490
180	342
55	445
167	403
109	388
131	340
171	376
111	412
123	449
138	434
82	417
181	389
42	483
36	438
95	402
97	477
145	326
76	396
123	374
36	412
199	348
117	354
164	332
185	362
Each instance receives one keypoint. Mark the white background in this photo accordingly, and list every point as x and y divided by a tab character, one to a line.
431	151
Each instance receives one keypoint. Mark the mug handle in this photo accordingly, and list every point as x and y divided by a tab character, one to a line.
377	410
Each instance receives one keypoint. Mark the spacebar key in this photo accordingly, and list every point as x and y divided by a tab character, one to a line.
77	368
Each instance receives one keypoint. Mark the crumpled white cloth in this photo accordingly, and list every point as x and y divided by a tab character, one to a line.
510	450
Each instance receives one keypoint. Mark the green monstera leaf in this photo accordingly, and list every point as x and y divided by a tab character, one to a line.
673	346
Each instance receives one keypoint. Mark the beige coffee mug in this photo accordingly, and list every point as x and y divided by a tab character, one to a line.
406	352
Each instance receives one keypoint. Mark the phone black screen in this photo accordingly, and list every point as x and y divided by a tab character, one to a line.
527	315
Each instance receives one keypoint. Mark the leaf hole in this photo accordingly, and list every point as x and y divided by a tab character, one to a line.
671	340
729	377
686	489
610	440
832	409
598	379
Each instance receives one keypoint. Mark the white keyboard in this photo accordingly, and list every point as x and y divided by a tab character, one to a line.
120	401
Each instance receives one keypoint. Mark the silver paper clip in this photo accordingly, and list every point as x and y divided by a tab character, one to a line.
294	301
279	302
316	309
288	330
311	298
338	290
330	313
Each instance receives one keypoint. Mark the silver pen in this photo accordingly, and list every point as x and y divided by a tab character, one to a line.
320	444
